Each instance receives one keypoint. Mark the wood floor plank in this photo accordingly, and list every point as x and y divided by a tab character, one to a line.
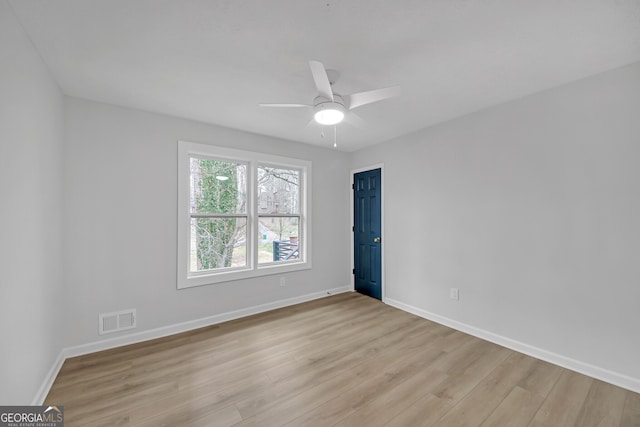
487	395
197	416
603	406
563	405
344	360
542	378
631	412
296	404
393	369
203	399
384	408
423	412
463	380
516	410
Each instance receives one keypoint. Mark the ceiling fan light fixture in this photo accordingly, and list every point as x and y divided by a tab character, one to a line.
329	113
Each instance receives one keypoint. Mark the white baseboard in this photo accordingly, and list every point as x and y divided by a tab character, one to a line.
48	380
606	375
164	331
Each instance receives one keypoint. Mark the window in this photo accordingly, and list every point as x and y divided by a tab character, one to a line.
241	214
278	214
218	211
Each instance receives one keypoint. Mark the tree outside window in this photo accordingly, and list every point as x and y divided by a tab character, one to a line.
218	214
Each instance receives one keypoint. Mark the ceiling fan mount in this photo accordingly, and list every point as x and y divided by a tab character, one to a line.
332	75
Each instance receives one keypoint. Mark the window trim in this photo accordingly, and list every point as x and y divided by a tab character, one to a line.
186	279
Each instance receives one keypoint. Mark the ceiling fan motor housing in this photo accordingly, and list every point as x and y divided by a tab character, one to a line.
328	112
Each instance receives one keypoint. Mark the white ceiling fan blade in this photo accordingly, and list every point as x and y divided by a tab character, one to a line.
285	105
356	100
355	120
320	78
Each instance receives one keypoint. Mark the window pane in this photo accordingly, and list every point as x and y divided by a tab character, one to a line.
218	186
278	191
218	243
278	239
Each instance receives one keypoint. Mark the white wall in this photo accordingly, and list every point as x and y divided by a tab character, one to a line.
532	210
120	220
31	304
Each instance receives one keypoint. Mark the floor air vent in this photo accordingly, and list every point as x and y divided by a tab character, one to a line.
117	321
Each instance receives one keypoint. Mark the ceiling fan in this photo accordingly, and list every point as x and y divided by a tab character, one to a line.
329	107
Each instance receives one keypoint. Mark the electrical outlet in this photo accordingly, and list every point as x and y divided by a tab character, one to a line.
454	294
283	281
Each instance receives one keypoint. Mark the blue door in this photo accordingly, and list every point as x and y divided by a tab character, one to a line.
367	238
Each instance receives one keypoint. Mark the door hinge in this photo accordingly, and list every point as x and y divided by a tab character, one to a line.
353	228
353	186
354	271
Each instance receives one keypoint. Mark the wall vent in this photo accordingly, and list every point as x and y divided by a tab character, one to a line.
116	321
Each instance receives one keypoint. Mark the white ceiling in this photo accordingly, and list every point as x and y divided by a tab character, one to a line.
215	60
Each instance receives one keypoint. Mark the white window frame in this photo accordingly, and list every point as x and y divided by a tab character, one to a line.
187	279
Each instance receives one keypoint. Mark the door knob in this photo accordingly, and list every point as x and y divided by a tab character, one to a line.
377	240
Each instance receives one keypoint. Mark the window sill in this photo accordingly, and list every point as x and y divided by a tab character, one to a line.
229	276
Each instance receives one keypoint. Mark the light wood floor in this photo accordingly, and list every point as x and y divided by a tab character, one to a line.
345	360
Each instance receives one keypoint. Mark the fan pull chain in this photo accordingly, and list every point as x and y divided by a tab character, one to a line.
335	136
